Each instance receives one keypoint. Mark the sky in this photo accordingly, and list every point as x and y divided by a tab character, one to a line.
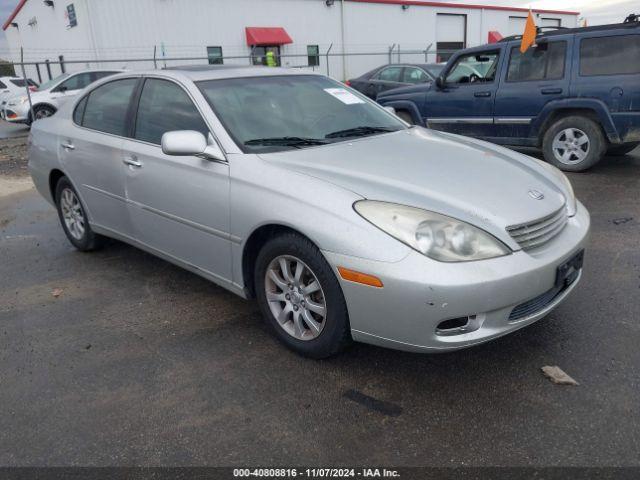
595	11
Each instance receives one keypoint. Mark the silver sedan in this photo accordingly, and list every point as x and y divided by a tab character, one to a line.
340	219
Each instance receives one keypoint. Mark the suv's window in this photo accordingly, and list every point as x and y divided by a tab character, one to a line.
616	55
107	106
76	82
414	75
20	82
390	74
474	68
165	107
543	62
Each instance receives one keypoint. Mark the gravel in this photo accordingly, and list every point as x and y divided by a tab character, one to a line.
13	157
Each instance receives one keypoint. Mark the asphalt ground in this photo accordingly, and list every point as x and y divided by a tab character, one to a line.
117	358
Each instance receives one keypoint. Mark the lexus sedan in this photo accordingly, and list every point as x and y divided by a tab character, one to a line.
341	220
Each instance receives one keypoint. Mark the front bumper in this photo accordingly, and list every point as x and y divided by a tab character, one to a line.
420	293
15	113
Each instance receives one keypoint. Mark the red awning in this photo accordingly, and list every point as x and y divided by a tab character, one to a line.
494	36
267	36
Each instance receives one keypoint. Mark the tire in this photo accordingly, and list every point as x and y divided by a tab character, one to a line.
619	150
331	333
40	112
73	218
406	116
562	148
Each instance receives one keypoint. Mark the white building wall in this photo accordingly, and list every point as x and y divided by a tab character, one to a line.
129	29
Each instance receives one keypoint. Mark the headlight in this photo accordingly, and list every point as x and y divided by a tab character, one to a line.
436	236
572	203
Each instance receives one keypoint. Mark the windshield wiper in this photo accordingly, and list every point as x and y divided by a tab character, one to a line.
359	132
296	142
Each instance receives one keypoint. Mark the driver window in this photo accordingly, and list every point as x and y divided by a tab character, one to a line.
474	68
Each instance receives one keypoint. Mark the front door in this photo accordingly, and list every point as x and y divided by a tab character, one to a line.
179	205
464	103
91	153
528	82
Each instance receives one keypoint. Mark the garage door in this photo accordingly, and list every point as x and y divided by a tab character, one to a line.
451	34
516	25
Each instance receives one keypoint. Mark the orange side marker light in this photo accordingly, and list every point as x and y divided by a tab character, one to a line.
358	277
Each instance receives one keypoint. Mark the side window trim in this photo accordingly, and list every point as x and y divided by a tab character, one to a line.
138	95
99	86
566	55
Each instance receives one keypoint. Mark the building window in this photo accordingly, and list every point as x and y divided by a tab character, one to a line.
313	53
451	34
214	54
259	55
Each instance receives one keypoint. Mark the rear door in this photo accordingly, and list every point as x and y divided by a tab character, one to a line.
91	153
465	103
179	205
528	83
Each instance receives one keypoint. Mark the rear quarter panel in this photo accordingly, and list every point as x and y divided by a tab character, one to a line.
43	154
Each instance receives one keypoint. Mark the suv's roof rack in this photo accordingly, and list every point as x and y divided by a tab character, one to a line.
632	21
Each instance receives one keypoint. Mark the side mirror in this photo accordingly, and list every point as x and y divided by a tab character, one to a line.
440	82
190	142
390	110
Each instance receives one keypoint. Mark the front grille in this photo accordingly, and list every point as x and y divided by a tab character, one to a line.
538	232
535	305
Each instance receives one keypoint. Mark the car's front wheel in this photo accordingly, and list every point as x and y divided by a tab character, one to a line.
574	143
300	296
73	217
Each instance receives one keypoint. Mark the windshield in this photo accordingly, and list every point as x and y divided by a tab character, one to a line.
52	83
435	69
269	114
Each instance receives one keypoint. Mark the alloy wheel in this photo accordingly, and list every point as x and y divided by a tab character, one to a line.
295	297
570	146
72	213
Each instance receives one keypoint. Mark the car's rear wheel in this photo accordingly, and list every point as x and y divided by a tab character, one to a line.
619	150
574	144
300	296
74	219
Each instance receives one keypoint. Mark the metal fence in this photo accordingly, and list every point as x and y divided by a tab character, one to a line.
43	65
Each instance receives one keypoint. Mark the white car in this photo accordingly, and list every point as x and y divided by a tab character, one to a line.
14	86
48	98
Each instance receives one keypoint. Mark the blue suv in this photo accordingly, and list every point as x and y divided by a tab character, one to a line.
575	94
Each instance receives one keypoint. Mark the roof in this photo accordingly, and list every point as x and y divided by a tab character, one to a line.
392	2
202	74
571	31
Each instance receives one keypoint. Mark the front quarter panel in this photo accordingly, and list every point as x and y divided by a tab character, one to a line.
263	193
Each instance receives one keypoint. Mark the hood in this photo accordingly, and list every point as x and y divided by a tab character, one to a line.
420	88
474	181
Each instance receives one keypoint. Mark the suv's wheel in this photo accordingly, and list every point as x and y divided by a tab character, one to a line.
300	296
617	150
406	116
574	144
74	218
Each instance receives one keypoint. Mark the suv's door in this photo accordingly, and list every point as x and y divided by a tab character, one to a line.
464	103
91	153
607	67
386	79
179	205
528	82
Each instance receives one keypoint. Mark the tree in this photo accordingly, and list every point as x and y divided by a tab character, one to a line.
6	69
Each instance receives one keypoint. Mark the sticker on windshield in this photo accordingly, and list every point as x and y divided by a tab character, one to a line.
344	96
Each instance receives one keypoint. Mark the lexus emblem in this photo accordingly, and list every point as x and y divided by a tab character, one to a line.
536	195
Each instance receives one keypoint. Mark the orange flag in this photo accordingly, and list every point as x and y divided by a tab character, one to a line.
529	35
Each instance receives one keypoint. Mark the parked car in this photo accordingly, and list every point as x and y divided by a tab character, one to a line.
387	77
48	98
13	86
342	221
575	95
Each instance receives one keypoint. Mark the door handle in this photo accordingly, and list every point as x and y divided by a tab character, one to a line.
551	91
132	161
482	94
68	146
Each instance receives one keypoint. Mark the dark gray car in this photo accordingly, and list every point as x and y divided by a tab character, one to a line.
387	77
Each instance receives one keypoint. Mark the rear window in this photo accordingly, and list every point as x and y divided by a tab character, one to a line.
544	62
19	82
618	55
